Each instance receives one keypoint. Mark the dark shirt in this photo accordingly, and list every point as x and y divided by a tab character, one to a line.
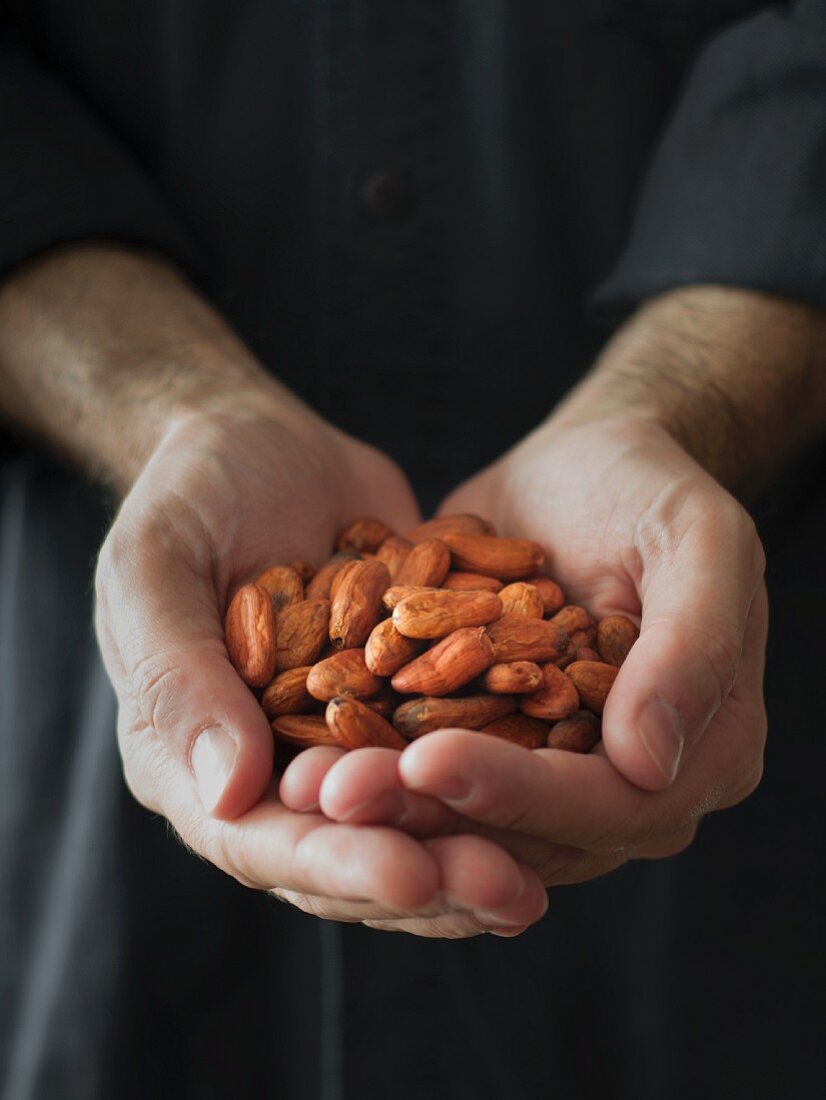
424	216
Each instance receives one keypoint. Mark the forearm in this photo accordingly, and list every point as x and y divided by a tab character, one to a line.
101	347
738	378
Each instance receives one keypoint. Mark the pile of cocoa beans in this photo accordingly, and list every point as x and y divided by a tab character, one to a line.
447	626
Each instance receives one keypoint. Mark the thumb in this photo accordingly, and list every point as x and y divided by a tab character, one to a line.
697	589
160	631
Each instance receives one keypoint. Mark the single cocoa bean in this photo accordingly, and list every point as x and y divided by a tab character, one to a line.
615	636
472	712
301	633
593	680
579	733
357	726
557	698
521	598
520	638
393	552
287	693
249	633
513	678
320	586
365	535
505	559
530	733
387	650
426	565
437	614
284	585
449	665
356	603
344	673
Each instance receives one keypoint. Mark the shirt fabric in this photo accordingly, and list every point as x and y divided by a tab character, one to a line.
430	210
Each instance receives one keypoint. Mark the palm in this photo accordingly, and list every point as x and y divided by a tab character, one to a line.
587	505
629	523
237	500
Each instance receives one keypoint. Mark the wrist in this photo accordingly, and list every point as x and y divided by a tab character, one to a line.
735	377
216	383
281	439
104	349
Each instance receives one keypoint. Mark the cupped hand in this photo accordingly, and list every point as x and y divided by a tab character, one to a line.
223	497
632	525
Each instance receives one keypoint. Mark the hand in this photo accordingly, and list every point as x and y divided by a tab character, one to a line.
222	497
631	525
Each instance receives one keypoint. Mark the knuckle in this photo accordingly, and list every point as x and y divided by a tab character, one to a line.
742	528
144	767
659	529
563	865
157	682
719	648
304	860
635	827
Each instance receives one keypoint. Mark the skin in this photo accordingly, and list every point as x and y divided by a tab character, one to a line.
624	487
640	514
112	358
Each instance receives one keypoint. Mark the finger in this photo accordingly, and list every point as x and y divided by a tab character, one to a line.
451	926
302	779
271	846
160	611
730	765
353	912
510	895
561	797
701	565
479	876
746	705
507	921
364	787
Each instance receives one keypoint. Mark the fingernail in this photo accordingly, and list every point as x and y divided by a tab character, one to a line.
212	760
662	732
453	789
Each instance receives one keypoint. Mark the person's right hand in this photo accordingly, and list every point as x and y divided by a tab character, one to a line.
222	497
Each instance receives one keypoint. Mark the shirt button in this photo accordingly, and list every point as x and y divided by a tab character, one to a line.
388	196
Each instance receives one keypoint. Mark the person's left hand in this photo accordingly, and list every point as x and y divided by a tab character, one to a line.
630	524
